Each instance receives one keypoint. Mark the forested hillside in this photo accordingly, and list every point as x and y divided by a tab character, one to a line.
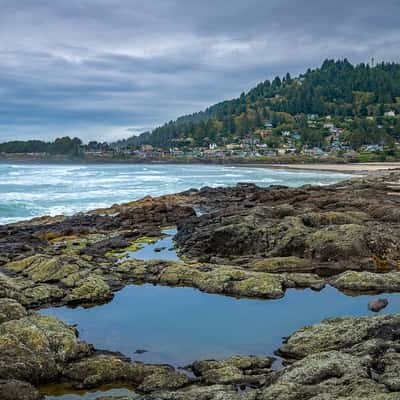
337	88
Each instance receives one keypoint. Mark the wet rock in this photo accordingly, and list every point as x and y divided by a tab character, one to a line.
35	348
95	371
211	392
325	375
42	268
340	333
378	304
246	370
225	279
280	264
318	220
11	309
162	378
10	289
43	294
91	289
322	366
159	249
389	366
337	242
18	390
363	281
303	280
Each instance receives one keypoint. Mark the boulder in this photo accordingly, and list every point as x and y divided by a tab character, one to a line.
364	281
90	289
340	333
244	370
11	309
18	390
378	304
36	348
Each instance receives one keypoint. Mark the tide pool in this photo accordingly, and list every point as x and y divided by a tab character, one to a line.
180	325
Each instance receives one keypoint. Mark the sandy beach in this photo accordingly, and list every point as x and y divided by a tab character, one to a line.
345	168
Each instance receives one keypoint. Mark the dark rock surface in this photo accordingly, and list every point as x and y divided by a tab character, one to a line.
248	242
378	304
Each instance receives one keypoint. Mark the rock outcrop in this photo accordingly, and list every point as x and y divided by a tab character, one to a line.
248	242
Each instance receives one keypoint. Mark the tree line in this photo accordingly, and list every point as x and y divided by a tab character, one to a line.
61	146
337	88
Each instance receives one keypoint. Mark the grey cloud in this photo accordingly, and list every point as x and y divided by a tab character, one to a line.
107	68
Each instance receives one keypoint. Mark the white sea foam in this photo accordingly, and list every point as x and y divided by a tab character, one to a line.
28	191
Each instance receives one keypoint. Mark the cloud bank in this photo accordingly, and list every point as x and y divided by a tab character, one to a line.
106	69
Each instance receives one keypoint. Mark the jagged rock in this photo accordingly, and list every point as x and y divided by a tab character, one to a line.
10	289
91	289
329	375
17	390
43	268
303	280
336	242
322	366
35	348
43	294
99	370
162	378
245	370
11	309
251	242
318	220
212	392
340	333
281	264
389	366
225	279
354	281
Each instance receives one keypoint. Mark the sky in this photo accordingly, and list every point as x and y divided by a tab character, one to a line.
107	69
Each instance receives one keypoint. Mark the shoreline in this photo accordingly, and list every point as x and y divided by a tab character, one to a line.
318	237
347	168
361	168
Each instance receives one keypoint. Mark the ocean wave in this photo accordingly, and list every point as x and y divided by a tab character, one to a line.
28	191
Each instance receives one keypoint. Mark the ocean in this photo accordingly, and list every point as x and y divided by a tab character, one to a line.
32	190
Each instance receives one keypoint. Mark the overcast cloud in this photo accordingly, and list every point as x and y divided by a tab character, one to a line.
104	69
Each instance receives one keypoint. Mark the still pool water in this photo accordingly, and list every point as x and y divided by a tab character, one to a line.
58	392
32	190
180	325
163	249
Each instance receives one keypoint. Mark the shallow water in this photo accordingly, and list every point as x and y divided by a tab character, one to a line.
31	190
157	324
180	325
163	249
60	393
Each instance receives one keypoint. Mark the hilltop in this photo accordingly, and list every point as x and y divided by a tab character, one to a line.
338	112
360	101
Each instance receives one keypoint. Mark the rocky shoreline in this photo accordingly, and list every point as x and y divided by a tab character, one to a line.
243	241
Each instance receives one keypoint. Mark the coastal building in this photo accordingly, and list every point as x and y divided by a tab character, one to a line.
266	133
147	147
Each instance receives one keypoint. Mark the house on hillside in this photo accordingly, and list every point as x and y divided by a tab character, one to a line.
390	113
147	147
265	133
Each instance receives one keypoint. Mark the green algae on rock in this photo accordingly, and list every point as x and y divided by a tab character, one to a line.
251	242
